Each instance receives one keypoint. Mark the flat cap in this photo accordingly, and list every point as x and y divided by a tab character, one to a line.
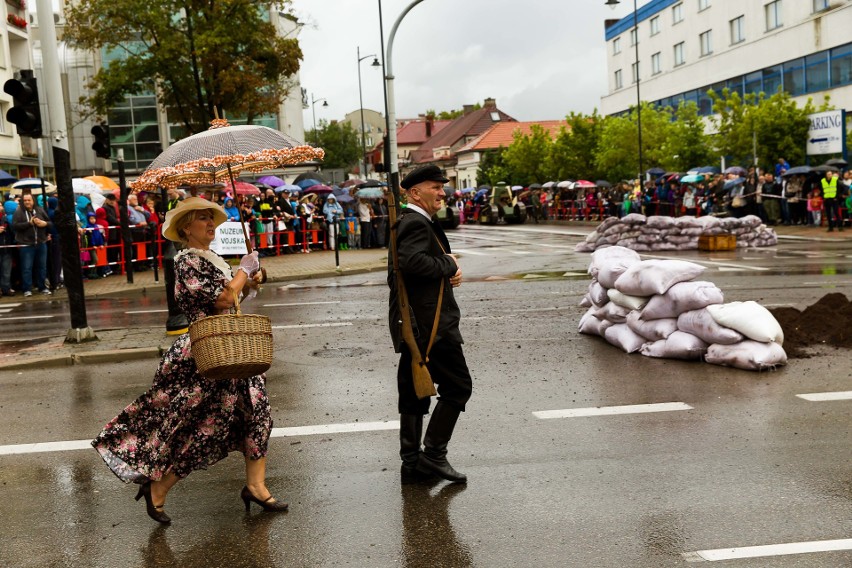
421	174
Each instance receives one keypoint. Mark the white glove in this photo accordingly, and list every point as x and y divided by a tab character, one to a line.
250	264
249	294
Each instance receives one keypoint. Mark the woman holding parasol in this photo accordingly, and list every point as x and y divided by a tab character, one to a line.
185	422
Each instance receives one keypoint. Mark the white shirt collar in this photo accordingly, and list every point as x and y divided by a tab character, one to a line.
419	210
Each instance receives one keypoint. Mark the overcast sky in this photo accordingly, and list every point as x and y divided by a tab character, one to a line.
540	59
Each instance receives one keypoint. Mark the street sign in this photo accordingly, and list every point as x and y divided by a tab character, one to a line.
827	132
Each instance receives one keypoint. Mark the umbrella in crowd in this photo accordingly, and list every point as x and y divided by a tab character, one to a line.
319	177
90	189
272	181
583	184
565	184
287	187
242	188
448	191
318	189
733	183
468	190
307	182
797	171
549	184
370	193
655	171
692	178
105	183
344	198
825	168
31	184
736	170
535	186
6	178
603	183
370	183
836	162
221	151
707	170
517	187
482	192
351	182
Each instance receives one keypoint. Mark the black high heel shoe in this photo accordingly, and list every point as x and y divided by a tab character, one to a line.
155	512
268	505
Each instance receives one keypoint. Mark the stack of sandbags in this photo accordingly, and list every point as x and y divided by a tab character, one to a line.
656	307
660	232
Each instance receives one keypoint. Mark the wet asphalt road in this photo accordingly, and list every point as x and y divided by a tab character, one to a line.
749	464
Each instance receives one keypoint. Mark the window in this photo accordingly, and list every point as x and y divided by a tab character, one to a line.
754	82
634	69
677	13
706	40
2	52
816	72
616	46
735	85
678	54
618	80
771	79
703	4
705	103
656	66
3	108
773	15
655	25
737	30
841	65
794	77
820	5
633	39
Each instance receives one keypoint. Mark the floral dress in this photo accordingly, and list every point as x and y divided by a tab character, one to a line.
185	422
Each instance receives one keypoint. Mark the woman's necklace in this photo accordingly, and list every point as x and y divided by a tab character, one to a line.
210	256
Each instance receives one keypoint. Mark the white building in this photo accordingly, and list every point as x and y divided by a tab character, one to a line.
686	47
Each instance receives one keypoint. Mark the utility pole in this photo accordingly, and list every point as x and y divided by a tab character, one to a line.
65	215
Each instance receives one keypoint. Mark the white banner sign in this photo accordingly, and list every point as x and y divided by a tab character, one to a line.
825	134
229	239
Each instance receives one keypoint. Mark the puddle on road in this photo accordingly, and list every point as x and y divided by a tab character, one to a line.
15	347
340	352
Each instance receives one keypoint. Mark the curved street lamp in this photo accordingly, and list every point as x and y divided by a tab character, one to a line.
612	4
375	63
314	111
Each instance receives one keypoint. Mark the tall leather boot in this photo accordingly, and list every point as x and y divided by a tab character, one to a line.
433	459
410	433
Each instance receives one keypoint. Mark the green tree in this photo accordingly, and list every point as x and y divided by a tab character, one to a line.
618	151
493	168
572	155
449	114
688	145
340	141
528	156
196	56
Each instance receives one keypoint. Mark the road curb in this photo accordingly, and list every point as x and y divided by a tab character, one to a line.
87	358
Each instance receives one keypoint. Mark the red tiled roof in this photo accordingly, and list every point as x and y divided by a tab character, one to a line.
459	131
415	132
503	134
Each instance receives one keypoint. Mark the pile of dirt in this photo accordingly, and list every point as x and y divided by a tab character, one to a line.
827	322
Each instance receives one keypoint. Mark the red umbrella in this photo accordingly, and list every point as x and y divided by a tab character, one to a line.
242	188
318	189
584	183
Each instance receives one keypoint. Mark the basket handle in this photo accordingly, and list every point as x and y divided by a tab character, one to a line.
236	300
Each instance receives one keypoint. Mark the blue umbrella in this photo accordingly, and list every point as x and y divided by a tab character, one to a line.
708	170
306	183
736	170
693	178
344	198
468	189
797	171
482	193
733	183
370	193
6	178
288	187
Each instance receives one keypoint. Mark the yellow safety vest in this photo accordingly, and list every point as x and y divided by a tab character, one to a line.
829	190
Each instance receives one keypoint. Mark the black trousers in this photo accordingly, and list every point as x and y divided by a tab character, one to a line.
449	372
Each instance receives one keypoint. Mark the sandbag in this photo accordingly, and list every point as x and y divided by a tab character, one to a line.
749	318
654	276
607	223
748	355
598	293
590	325
622	336
660	222
707	222
634	219
652	330
627	301
678	345
701	324
586	301
612	312
682	297
609	263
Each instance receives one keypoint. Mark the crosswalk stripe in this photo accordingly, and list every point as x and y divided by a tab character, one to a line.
611	410
826	396
306	325
768	550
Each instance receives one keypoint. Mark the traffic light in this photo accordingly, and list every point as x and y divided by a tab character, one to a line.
25	113
101	144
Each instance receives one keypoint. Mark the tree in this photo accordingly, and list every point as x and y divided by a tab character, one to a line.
448	114
689	146
196	56
527	157
493	168
572	155
340	141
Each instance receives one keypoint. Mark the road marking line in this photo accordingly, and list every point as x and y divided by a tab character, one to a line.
468	251
334	428
300	304
825	396
304	325
768	550
710	262
6	310
610	410
68	445
27	318
14	305
147	311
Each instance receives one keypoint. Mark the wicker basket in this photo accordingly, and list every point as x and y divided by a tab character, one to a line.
232	346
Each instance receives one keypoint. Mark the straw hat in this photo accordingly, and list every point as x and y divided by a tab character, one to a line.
184	207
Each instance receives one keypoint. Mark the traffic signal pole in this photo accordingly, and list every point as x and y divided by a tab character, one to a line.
65	218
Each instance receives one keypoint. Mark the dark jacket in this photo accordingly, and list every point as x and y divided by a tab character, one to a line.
424	265
26	233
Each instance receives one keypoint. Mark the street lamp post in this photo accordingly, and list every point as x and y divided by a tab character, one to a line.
314	112
375	63
612	4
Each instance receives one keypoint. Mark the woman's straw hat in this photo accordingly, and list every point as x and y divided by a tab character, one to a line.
184	207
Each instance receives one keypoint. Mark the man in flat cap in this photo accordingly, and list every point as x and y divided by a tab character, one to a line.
429	272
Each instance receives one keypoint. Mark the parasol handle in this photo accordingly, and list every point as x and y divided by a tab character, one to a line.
240	211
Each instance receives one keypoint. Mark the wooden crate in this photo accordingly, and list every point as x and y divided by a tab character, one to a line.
717	242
